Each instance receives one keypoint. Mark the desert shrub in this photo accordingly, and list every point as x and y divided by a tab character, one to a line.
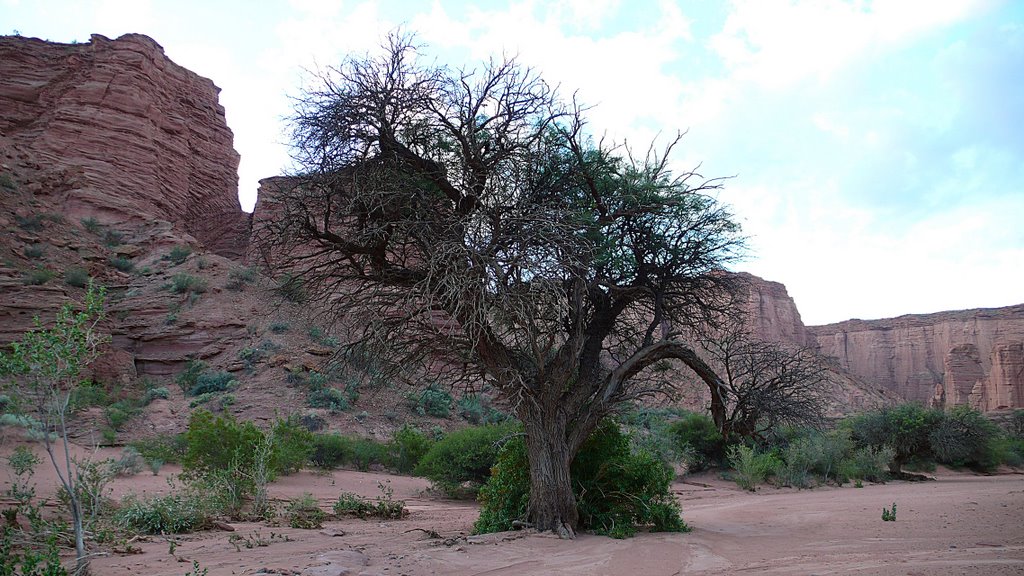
187	283
239	277
179	254
210	382
304	513
964	437
617	489
92	225
317	334
368	452
175	513
129	463
329	398
37	276
119	413
278	327
77	277
471	407
1015	425
7	181
696	437
292	289
464	457
331	450
751	467
161	393
121	263
165	448
292	447
433	401
31	223
27	560
88	394
34	251
865	463
188	377
407	448
906	428
384	506
215	443
113	238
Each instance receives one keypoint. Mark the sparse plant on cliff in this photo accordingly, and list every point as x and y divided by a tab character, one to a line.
178	254
34	251
38	276
186	283
121	263
239	277
92	225
7	181
77	277
44	368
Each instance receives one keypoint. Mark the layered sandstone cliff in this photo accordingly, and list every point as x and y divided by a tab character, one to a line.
142	137
971	357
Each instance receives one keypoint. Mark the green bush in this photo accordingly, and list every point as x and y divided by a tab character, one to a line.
293	445
865	463
34	251
7	181
215	443
332	450
696	438
209	382
278	327
92	225
292	288
188	377
77	277
464	457
239	277
122	264
120	412
37	276
178	254
187	283
174	513
330	398
88	394
751	467
304	513
617	489
408	447
906	428
433	401
113	238
33	223
161	393
965	437
165	448
383	506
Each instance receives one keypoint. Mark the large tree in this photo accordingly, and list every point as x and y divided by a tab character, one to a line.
467	219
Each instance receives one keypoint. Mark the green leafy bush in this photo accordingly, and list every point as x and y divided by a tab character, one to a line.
121	263
37	276
113	238
279	327
165	448
7	181
432	401
906	428
331	450
292	289
209	382
304	513
617	489
329	398
384	506
188	377
179	254
698	440
34	251
751	467
77	277
174	513
218	442
407	448
292	447
464	457
92	225
186	283
965	437
239	277
159	393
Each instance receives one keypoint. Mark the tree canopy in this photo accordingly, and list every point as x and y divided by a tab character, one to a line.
467	219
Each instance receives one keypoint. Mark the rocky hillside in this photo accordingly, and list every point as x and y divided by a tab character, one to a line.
971	357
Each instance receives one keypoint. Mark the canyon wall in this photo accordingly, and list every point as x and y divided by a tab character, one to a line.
141	137
971	357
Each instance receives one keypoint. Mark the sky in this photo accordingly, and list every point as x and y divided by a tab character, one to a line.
876	148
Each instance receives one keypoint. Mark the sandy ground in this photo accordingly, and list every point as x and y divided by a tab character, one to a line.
958	524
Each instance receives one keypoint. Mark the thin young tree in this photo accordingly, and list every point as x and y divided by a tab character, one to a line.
43	369
465	219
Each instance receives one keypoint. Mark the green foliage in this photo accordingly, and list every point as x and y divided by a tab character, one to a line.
186	283
37	276
121	263
965	437
317	334
292	288
119	413
210	382
889	514
179	254
304	512
384	506
476	410
188	377
278	327
34	251
696	438
751	467
433	401
165	448
239	277
329	398
32	223
217	442
331	450
92	225
77	277
174	513
7	181
196	570
292	446
113	238
29	560
464	457
88	394
407	448
159	393
617	488
905	428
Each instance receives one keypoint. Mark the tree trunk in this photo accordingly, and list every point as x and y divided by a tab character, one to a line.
552	505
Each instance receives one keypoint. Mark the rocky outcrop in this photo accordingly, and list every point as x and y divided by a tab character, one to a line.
772	313
971	357
142	137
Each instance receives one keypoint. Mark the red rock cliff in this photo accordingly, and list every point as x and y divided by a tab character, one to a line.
146	138
971	357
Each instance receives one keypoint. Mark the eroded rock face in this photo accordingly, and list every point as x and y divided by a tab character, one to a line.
143	137
772	313
966	357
